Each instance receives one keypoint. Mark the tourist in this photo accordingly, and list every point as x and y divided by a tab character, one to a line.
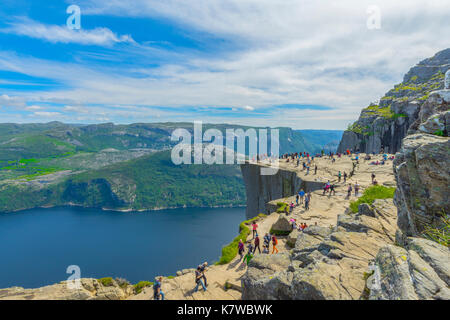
349	190
345	177
296	198
257	245
266	243
373	176
241	249
203	270
339	176
315	169
198	279
157	292
301	194
332	189
274	243
291	207
356	188
254	227
248	255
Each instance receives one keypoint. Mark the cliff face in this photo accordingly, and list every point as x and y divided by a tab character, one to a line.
384	124
264	188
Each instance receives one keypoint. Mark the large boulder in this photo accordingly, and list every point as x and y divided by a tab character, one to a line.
282	225
419	271
423	175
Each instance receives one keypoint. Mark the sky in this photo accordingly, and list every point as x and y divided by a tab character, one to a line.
305	64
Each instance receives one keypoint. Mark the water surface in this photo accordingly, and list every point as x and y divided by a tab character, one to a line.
37	245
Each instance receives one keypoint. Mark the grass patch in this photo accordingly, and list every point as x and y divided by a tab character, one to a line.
372	193
138	287
170	277
230	251
108	281
440	235
281	207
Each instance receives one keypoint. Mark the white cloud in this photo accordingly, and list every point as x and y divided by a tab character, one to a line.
11	101
46	114
54	33
292	51
249	108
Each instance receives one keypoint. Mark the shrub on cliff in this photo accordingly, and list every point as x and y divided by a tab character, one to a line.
230	251
372	193
138	287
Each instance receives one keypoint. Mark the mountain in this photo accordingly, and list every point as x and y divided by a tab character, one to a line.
120	167
385	123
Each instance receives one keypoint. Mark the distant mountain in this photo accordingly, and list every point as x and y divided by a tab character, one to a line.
120	166
323	139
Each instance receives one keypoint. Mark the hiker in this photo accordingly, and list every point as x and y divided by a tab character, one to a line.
326	187
301	194
349	190
332	189
373	176
241	248
339	176
296	198
198	279
274	243
356	188
257	245
266	243
203	269
157	292
291	207
345	177
254	227
315	169
248	255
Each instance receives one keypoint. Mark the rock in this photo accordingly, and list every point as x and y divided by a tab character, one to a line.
403	109
282	224
422	175
179	273
325	263
292	238
366	209
90	289
405	275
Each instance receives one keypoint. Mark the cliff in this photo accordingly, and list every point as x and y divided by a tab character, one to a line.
383	124
261	189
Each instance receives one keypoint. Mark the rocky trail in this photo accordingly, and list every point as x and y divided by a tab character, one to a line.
224	281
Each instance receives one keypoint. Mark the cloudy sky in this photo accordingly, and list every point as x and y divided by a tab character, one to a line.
298	63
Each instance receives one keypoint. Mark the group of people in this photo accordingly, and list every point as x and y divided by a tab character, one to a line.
302	198
255	244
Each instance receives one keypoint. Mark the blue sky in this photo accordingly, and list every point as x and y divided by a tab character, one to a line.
298	63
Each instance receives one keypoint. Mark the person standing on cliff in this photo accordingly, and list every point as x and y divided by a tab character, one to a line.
373	177
349	191
339	176
257	245
198	279
345	177
356	188
274	243
254	227
296	198
301	194
203	270
315	169
157	292
241	249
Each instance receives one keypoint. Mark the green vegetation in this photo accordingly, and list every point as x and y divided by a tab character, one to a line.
138	287
107	282
371	194
439	133
281	207
230	251
440	234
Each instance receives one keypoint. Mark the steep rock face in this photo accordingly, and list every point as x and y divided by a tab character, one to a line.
325	263
384	124
422	174
263	188
421	270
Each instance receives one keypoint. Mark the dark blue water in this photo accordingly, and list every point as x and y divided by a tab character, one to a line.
37	246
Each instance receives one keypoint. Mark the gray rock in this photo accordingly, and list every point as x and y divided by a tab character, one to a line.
282	224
